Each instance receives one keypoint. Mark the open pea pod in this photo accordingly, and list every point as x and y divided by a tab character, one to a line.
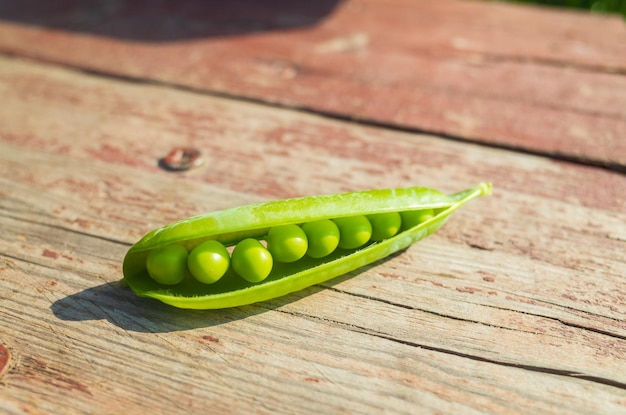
396	219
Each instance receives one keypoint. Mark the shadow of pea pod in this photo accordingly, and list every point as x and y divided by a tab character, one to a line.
117	304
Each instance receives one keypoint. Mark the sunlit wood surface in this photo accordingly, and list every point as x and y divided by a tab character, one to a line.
517	305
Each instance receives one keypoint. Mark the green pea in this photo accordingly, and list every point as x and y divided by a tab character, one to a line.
167	265
384	225
251	260
287	243
323	237
149	269
208	262
412	218
354	231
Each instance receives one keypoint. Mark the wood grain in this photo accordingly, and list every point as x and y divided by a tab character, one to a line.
539	80
516	306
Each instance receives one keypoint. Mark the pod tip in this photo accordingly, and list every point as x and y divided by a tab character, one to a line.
485	188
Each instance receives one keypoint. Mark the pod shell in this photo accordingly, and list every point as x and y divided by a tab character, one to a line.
254	221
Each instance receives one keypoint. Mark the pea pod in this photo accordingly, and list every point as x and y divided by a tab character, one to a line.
274	278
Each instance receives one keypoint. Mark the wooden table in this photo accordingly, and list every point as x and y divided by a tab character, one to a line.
517	305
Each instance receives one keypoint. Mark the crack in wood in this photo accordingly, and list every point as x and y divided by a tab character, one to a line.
27	261
566	307
565	322
559	320
434	313
70	230
531	368
555	63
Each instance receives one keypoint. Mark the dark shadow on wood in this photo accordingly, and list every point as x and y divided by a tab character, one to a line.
116	303
167	20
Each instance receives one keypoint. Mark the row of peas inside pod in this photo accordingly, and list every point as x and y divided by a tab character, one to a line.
253	261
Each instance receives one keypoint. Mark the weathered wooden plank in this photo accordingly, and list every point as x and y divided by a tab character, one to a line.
126	123
541	80
516	306
348	347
